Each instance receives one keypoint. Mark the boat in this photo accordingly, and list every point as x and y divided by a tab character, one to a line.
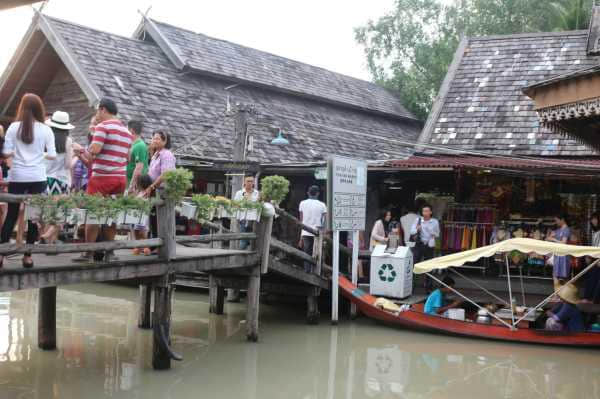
414	318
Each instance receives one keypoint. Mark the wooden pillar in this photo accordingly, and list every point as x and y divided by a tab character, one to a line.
253	296
47	318
263	232
145	297
216	296
166	229
161	358
312	301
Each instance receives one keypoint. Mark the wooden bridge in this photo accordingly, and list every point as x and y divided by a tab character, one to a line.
266	266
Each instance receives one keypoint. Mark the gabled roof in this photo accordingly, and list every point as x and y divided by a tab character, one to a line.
146	84
204	54
482	106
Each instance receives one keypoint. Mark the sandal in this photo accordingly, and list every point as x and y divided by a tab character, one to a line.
27	265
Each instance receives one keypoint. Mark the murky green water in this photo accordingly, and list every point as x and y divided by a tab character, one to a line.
102	354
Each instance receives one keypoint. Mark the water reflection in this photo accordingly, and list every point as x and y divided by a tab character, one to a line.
102	354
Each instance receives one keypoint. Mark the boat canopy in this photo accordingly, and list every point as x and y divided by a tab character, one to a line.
524	245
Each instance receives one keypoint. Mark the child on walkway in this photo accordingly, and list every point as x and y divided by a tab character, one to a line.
140	231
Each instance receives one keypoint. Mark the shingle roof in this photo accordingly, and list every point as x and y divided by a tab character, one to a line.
485	108
233	61
146	85
566	76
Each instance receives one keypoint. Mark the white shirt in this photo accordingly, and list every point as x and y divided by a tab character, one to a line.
60	167
241	194
430	230
406	222
28	159
312	214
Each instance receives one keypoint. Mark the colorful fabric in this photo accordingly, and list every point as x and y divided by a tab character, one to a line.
162	161
115	140
139	154
57	187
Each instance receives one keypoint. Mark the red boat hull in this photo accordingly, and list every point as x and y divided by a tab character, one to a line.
420	321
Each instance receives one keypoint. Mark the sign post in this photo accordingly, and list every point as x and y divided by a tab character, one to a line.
346	207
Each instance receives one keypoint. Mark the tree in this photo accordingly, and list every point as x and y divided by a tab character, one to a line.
409	49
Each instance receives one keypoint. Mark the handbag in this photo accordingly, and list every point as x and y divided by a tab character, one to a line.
416	238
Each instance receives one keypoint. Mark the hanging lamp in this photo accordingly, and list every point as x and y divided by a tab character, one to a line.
280	140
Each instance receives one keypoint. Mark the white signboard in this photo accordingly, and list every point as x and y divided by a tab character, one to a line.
347	193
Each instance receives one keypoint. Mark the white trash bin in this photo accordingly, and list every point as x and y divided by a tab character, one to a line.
391	274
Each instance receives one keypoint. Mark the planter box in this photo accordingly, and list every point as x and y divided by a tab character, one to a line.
249	214
188	210
133	216
36	214
82	216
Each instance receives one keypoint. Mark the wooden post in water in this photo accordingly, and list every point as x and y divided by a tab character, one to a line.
216	296
262	245
163	289
47	318
253	296
161	358
145	297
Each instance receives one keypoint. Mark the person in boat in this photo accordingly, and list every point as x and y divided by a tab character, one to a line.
565	316
561	267
435	303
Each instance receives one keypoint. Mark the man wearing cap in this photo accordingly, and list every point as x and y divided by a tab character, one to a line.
312	213
109	153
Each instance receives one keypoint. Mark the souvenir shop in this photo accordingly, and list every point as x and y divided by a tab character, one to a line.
483	205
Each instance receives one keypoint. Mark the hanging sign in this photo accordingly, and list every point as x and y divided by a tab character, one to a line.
347	193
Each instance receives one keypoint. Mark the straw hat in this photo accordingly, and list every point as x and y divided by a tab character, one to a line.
60	120
568	293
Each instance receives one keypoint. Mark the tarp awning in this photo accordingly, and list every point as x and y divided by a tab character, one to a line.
524	245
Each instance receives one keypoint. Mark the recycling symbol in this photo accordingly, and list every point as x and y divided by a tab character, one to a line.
387	273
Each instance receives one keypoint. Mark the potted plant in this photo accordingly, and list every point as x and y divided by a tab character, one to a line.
274	189
177	183
204	207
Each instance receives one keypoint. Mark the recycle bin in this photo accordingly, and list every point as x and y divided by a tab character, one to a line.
391	273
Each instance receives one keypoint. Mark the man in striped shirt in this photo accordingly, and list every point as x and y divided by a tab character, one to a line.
109	151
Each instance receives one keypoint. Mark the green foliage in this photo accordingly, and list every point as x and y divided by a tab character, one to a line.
274	188
410	49
177	183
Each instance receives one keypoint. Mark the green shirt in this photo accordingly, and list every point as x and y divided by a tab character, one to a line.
139	153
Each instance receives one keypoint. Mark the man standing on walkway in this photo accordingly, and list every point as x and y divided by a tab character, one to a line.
312	213
138	157
109	152
248	193
427	230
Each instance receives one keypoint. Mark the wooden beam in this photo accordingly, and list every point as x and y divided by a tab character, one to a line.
39	277
241	283
205	238
164	44
6	249
165	215
216	295
263	243
145	303
297	273
161	358
289	250
253	305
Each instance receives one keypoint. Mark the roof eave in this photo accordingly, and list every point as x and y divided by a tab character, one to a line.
90	90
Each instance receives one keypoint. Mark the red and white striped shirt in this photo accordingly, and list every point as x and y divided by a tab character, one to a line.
115	140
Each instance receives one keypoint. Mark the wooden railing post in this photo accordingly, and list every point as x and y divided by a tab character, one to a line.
318	252
47	318
165	214
264	230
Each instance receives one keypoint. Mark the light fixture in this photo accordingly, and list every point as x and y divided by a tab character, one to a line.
280	140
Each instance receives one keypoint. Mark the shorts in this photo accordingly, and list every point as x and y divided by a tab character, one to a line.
57	187
107	185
